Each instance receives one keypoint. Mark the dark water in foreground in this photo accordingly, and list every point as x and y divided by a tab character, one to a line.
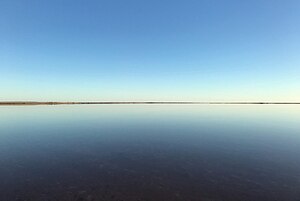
147	153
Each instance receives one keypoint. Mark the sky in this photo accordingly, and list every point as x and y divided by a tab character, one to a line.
158	50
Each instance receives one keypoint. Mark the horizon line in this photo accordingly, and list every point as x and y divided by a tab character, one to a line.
7	103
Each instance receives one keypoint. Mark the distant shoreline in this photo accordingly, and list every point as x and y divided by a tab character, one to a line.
16	103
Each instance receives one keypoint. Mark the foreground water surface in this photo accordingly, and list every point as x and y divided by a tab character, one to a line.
150	152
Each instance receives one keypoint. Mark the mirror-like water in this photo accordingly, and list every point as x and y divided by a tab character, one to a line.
150	152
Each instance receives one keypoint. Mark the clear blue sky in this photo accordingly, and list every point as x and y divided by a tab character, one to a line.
210	50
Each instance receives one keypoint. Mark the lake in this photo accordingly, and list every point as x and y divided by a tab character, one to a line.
150	153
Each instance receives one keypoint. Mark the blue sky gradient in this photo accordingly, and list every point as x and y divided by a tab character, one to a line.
210	50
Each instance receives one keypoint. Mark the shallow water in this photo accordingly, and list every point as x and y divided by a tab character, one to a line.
150	152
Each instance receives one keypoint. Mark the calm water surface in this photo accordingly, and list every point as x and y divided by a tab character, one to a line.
150	152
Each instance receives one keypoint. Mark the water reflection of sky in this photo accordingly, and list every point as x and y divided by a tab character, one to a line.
261	115
150	152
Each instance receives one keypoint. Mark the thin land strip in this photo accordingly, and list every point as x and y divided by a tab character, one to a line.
12	103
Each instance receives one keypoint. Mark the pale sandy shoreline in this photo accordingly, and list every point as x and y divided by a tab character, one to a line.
15	103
